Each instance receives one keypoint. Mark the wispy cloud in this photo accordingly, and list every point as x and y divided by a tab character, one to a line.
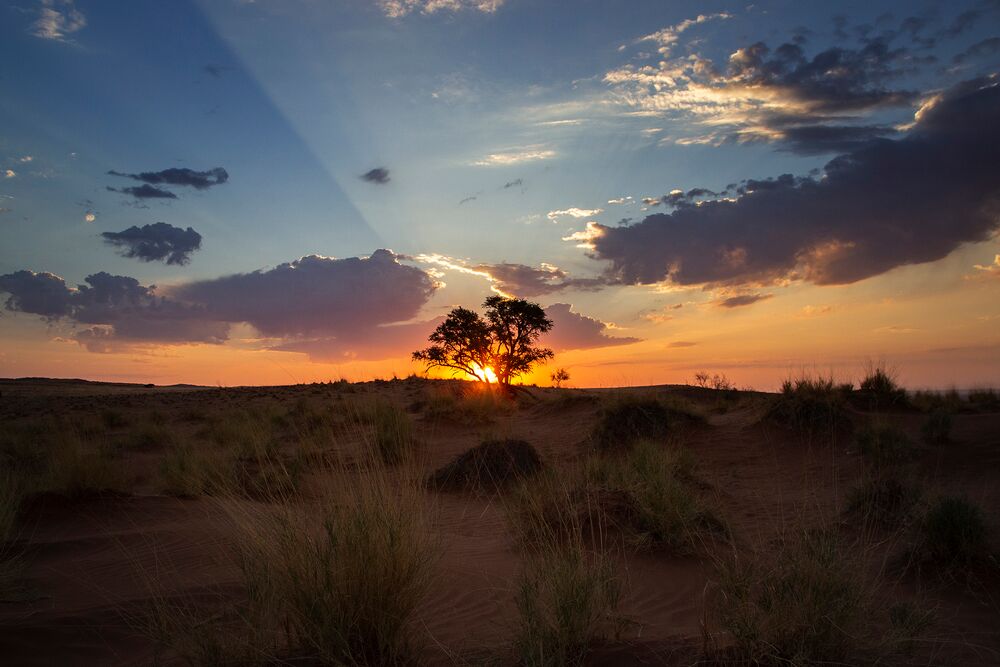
516	156
573	212
57	19
401	8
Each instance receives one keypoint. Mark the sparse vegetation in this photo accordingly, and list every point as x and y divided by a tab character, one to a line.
629	418
391	431
10	557
466	404
879	389
490	466
885	501
559	376
984	399
802	602
883	444
953	534
811	405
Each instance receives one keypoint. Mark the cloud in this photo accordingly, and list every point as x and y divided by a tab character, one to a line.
742	300
57	19
510	279
886	204
989	270
9	173
144	192
621	200
374	344
515	156
986	47
681	343
316	295
401	8
765	94
379	176
573	331
516	183
667	37
158	242
89	216
312	299
573	212
199	180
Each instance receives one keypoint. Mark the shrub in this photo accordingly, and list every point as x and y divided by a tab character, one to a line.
630	418
880	389
113	418
936	429
78	468
954	533
566	599
884	445
811	405
883	501
984	399
492	465
802	602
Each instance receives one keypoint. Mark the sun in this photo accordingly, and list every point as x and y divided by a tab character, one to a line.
482	373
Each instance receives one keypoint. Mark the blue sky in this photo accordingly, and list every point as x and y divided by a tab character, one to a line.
489	117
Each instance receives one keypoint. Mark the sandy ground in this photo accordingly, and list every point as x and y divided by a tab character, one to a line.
82	555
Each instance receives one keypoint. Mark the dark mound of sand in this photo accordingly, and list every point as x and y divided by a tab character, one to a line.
493	465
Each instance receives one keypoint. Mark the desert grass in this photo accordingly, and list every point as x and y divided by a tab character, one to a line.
647	496
466	403
630	417
883	444
79	466
984	399
879	389
492	466
806	600
884	501
388	430
953	535
814	406
569	588
335	579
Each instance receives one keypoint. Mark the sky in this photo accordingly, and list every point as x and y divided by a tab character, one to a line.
233	192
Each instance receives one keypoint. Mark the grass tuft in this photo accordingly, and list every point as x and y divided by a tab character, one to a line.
629	418
954	533
811	405
936	429
884	445
491	466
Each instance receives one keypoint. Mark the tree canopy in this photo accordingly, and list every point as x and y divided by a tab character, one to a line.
505	341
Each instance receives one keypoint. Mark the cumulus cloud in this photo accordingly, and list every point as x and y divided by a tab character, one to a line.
378	175
57	19
9	173
158	242
311	300
144	192
989	270
765	94
573	212
885	204
516	156
574	331
199	180
401	8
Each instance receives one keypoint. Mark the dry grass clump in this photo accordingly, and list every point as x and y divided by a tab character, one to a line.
631	417
953	534
466	403
811	405
567	599
490	466
884	445
648	496
188	471
806	601
79	467
387	429
884	501
879	388
333	581
984	399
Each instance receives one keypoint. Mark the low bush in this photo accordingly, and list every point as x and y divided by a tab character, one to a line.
811	405
984	399
629	418
884	501
491	466
954	533
879	389
803	602
884	445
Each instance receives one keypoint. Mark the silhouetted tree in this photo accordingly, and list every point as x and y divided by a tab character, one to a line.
505	341
559	376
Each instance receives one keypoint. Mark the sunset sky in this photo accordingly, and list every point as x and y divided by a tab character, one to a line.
274	191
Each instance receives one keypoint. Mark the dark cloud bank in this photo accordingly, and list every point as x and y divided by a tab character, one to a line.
199	180
158	242
885	204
